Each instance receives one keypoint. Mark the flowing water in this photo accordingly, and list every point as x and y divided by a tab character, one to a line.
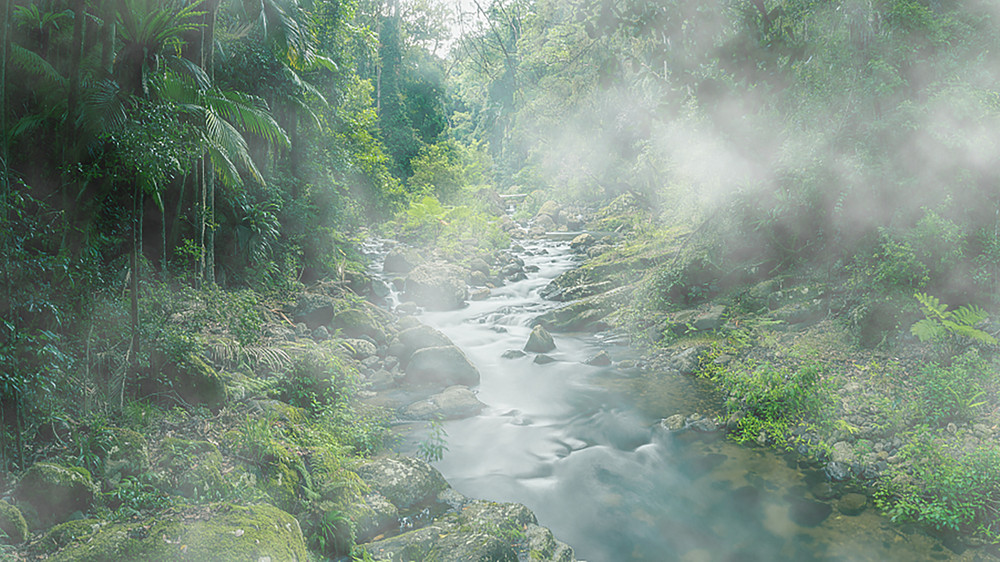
558	439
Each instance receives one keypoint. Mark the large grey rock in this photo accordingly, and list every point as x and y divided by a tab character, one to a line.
437	286
419	337
441	367
852	503
842	452
454	402
405	482
582	242
539	341
544	546
48	493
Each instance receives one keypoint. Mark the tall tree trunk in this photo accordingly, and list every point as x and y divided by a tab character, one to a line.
4	184
76	53
133	359
208	52
109	14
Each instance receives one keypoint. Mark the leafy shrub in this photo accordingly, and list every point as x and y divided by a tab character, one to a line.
944	487
429	222
771	399
315	376
953	393
953	329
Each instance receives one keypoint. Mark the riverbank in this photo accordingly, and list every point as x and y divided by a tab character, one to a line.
800	363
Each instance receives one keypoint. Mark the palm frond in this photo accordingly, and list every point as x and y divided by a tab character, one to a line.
34	64
224	168
248	112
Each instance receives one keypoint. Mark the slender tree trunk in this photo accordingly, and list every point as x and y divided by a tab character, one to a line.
76	53
208	52
134	286
108	32
202	219
4	184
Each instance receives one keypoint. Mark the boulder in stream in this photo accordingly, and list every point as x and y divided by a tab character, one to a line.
540	341
437	286
419	337
441	367
405	482
454	402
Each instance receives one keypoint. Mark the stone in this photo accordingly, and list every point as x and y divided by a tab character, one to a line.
550	209
401	260
127	455
478	279
49	493
219	532
191	468
479	265
441	367
372	516
513	354
711	320
359	349
852	504
321	334
542	359
381	380
602	359
837	471
582	242
823	491
686	361
12	523
703	425
480	294
454	402
437	286
544	546
356	323
314	310
842	452
673	423
405	482
809	513
539	341
419	337
191	378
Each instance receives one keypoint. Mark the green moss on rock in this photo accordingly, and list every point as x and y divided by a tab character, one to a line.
49	493
217	533
12	523
66	533
192	468
128	455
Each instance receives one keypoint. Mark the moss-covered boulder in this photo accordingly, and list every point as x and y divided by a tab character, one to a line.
481	531
437	286
357	323
127	456
419	337
405	481
215	533
64	534
190	468
12	523
372	516
49	493
190	377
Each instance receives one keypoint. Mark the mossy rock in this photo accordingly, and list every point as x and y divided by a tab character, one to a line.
12	523
64	534
191	378
49	493
356	323
281	481
192	467
216	533
127	456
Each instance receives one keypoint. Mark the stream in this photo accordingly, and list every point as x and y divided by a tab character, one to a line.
560	439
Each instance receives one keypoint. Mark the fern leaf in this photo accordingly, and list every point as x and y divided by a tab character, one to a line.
927	330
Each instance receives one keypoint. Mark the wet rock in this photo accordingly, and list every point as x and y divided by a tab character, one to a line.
540	341
372	516
513	354
837	471
405	482
808	513
852	504
542	359
478	279
550	209
407	308
544	546
711	320
356	323
480	294
480	265
437	286
823	491
673	423
441	367
381	380
703	425
416	338
455	402
602	359
581	316
49	493
401	260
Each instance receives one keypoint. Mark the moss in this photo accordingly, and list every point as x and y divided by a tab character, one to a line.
50	493
194	467
63	534
12	523
281	482
217	533
128	455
